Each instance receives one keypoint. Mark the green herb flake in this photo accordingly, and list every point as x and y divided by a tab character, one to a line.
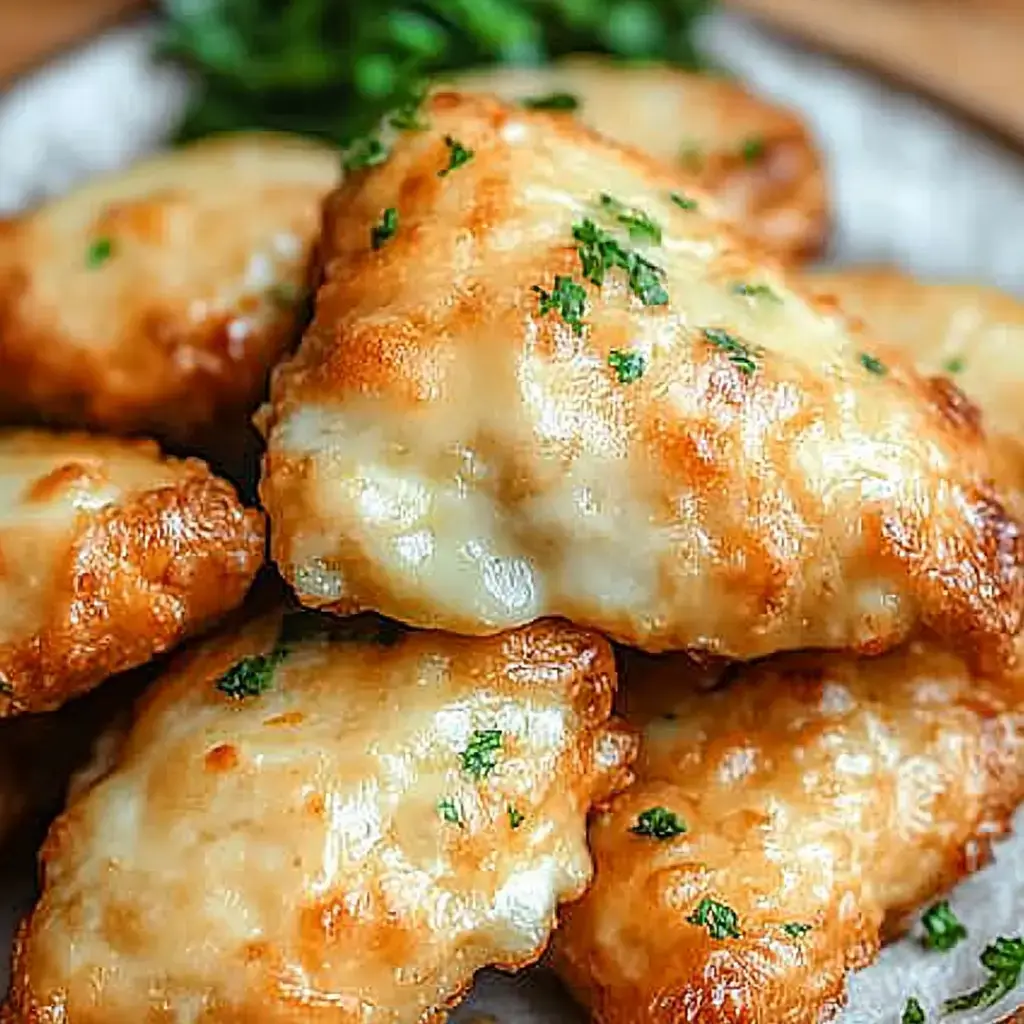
683	202
385	228
568	298
740	354
943	929
251	676
755	291
367	152
720	920
629	366
458	155
692	156
515	817
794	929
913	1012
6	688
641	227
1004	960
658	823
449	811
100	250
753	149
481	754
954	365
872	364
600	252
552	101
407	118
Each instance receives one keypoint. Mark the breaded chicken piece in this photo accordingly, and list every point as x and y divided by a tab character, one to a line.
757	158
781	825
971	333
473	434
109	554
156	300
335	829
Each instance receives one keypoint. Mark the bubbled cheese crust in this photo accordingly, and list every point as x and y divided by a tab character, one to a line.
109	554
284	857
817	790
441	450
758	159
174	332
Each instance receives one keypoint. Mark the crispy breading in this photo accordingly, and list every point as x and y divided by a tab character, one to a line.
109	554
155	300
346	838
730	470
824	798
758	158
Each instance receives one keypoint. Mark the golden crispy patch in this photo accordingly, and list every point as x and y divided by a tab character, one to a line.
109	554
758	159
157	299
420	817
690	456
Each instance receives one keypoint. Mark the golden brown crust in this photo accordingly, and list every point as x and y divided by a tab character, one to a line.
757	158
174	332
441	450
286	857
109	555
816	790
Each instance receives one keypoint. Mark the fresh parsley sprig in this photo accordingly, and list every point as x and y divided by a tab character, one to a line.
1004	960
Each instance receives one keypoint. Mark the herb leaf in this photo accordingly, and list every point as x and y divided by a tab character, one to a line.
642	228
100	250
720	920
481	754
629	366
1004	960
753	149
741	355
568	298
368	151
251	676
943	929
515	817
872	364
913	1012
658	823
954	365
795	929
449	811
458	155
683	202
754	291
600	251
385	228
552	101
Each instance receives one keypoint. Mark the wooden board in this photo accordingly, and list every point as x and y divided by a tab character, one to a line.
968	53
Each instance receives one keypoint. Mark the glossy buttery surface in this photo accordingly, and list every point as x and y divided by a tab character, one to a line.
284	857
816	790
757	158
109	554
442	451
174	331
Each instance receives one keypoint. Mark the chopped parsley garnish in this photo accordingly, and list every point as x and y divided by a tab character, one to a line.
741	355
683	202
449	811
552	101
515	817
406	118
481	754
754	291
251	676
913	1012
568	298
100	250
367	152
943	929
872	364
720	920
458	155
600	252
795	929
752	149
954	365
628	366
385	228
639	223
658	823
1004	960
